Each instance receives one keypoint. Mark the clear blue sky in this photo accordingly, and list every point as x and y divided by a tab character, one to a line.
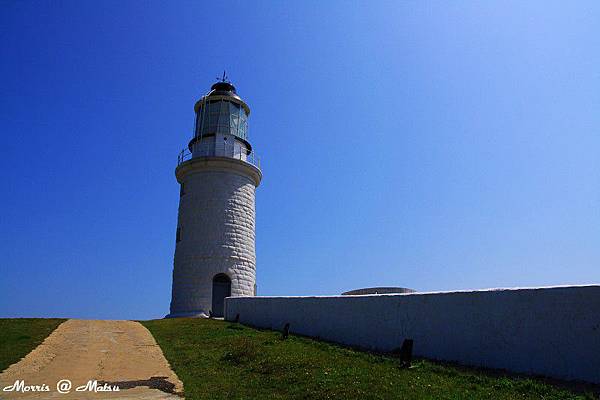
431	145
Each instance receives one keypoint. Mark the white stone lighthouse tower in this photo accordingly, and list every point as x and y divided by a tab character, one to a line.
218	173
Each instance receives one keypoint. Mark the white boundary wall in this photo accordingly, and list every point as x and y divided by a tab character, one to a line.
552	331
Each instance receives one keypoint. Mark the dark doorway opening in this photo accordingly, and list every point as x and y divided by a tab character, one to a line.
221	289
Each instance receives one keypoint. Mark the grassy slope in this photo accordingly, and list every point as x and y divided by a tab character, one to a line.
18	336
219	360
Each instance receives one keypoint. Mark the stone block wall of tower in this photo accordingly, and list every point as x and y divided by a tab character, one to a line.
216	235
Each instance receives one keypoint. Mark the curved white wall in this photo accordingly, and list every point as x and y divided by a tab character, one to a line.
545	331
216	222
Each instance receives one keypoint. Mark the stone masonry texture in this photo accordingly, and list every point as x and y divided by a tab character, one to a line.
217	235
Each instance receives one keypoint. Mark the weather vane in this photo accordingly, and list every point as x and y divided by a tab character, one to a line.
223	78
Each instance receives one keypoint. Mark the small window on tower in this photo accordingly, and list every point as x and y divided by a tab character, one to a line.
181	189
178	235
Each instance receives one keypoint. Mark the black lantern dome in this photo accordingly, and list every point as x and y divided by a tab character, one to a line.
223	89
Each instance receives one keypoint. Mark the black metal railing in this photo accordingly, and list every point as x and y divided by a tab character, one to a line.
218	150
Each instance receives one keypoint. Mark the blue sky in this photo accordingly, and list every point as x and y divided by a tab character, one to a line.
430	145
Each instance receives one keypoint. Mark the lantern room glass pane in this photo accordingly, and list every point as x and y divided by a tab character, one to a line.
214	107
223	117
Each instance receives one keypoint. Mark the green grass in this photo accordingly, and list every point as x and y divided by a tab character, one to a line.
18	336
221	360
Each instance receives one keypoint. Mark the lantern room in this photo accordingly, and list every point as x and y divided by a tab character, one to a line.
221	124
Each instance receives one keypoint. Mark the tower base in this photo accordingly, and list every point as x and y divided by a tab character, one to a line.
199	314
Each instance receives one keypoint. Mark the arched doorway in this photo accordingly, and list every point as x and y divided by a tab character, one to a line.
221	289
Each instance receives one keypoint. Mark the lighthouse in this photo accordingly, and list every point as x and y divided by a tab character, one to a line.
218	174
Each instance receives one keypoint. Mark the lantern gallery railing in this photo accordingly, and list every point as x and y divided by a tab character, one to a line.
218	150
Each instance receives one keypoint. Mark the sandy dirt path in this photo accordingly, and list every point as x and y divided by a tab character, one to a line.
120	353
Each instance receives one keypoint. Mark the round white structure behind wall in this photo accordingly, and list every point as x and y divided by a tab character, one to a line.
378	290
215	241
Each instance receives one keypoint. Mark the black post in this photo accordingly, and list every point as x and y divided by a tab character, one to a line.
286	331
406	353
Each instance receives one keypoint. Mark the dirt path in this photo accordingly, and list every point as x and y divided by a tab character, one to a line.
120	353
